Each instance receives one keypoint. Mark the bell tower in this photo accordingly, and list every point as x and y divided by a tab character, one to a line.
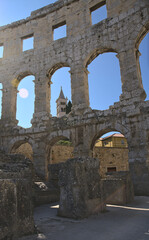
61	104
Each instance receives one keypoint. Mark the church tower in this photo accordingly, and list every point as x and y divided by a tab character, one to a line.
61	104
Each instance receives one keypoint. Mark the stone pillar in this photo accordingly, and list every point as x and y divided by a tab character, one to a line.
130	75
40	160
42	98
79	88
81	148
81	191
138	165
9	105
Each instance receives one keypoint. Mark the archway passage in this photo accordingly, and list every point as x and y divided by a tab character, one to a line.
104	81
144	63
24	149
112	151
25	101
60	149
1	88
60	79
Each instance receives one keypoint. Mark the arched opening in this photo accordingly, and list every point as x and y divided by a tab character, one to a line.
60	89
112	150
144	63
104	80
1	95
23	148
60	149
25	101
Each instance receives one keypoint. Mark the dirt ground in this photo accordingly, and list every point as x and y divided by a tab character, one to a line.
129	222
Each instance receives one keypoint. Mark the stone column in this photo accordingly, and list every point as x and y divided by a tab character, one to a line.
42	98
9	105
131	76
40	160
139	166
81	148
79	88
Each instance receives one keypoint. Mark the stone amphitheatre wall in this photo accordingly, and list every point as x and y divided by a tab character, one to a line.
109	157
122	31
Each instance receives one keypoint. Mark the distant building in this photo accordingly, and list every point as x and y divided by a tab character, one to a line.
61	104
115	140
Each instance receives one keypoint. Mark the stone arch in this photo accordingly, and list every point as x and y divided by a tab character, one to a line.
100	131
19	76
55	138
55	67
142	34
112	150
17	141
22	146
58	135
95	53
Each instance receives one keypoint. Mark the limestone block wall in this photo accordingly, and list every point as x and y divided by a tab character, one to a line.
60	154
109	157
83	43
112	157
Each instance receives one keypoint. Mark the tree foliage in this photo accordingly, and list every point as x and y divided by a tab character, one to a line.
68	107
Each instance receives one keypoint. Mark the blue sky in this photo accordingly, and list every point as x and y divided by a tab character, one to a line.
108	83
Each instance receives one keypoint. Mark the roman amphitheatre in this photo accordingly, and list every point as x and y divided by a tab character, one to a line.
96	191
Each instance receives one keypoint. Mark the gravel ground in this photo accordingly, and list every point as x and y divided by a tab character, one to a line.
129	222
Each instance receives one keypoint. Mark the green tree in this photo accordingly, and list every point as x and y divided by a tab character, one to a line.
68	107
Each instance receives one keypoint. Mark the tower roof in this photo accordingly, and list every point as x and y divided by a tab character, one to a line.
61	95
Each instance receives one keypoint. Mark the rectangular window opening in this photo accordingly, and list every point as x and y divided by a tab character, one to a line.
111	169
1	51
59	31
27	43
98	12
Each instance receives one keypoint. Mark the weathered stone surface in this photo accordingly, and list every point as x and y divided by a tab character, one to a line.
81	191
118	188
122	31
140	178
81	194
16	218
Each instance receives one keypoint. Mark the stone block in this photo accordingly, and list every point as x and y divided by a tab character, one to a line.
118	188
16	218
140	177
81	191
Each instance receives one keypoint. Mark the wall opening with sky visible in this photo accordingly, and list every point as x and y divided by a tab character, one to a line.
144	63
104	80
25	101
61	78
